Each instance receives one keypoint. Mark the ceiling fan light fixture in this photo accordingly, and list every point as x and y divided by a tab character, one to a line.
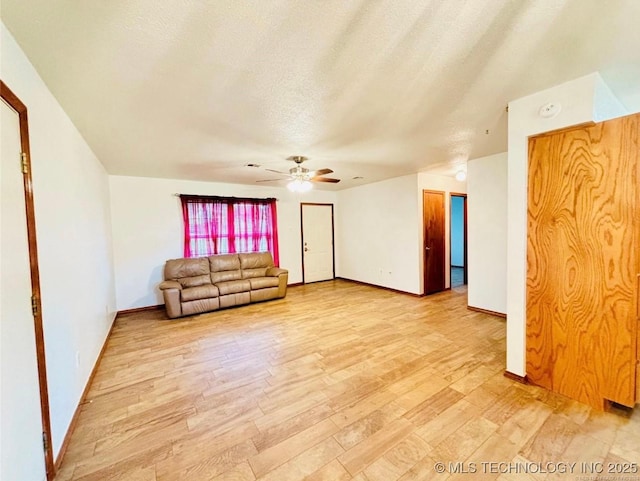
299	185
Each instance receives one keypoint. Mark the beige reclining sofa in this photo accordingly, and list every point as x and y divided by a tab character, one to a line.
202	284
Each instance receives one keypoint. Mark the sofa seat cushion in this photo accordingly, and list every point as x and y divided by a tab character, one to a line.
263	282
199	292
233	287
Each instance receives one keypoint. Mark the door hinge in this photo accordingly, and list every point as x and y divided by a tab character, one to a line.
23	163
34	305
45	442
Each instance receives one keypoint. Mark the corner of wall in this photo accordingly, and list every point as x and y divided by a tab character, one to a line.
71	198
577	101
606	105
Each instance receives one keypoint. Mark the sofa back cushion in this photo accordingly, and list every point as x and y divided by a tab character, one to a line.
224	267
188	272
255	264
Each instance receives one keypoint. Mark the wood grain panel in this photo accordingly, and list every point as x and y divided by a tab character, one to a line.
582	261
434	259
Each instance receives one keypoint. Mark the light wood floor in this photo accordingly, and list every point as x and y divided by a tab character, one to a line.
336	382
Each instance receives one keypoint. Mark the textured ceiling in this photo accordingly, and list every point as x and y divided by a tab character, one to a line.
196	89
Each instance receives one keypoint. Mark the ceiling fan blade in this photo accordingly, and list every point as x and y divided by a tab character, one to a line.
270	180
324	179
277	171
324	172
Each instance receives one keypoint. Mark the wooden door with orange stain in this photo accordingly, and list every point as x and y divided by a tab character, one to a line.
434	232
583	262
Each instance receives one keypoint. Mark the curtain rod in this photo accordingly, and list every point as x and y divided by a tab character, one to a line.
221	197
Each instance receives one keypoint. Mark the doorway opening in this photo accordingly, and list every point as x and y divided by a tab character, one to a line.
458	239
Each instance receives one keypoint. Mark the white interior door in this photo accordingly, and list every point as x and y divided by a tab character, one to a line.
21	451
317	242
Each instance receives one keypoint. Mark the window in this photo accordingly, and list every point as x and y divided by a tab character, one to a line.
224	225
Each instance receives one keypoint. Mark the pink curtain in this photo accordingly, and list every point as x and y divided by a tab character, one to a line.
221	225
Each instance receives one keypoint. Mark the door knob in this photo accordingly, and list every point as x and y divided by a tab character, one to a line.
427	248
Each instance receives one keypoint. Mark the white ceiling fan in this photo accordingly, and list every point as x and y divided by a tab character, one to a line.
301	177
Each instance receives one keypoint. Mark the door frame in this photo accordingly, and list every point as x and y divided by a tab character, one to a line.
16	104
424	242
464	238
333	233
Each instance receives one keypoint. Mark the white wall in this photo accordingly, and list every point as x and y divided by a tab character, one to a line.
378	235
447	185
147	229
582	100
378	230
71	195
487	232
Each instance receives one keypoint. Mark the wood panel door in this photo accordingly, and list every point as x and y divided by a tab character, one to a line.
434	253
582	261
317	242
24	391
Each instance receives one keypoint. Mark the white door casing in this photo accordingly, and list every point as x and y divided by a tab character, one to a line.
317	242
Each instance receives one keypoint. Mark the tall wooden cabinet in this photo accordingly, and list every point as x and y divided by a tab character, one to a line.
583	263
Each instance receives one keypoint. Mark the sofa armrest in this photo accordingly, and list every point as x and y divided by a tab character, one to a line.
170	285
276	271
283	279
171	293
